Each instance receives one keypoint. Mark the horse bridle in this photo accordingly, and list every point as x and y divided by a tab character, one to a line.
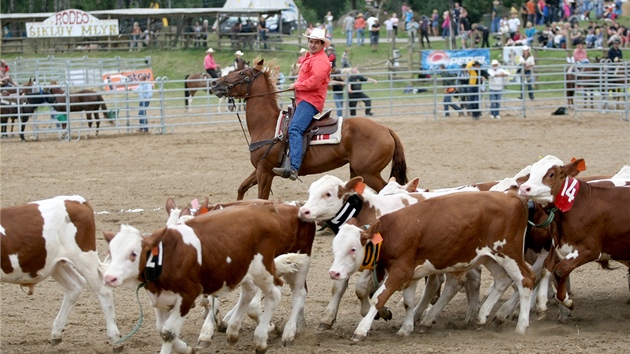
249	80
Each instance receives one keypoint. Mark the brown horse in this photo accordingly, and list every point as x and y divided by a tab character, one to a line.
201	82
9	108
366	145
84	100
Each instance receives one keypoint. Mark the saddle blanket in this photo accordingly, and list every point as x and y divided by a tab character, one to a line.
334	138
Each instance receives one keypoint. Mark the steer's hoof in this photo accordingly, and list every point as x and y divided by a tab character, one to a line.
232	339
261	351
118	349
385	314
222	328
358	337
541	315
287	343
203	344
55	341
324	326
423	329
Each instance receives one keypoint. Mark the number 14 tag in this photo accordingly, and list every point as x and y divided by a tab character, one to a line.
566	197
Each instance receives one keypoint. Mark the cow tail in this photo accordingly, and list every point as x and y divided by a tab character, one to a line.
399	164
186	92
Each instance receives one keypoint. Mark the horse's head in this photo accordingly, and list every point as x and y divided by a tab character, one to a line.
240	83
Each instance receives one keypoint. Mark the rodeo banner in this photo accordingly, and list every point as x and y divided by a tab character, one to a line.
453	59
72	23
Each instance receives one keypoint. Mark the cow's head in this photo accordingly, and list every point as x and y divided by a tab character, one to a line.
128	255
326	197
393	187
547	177
348	250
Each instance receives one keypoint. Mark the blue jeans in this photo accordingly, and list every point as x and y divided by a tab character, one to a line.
339	103
360	36
143	113
495	102
349	38
301	119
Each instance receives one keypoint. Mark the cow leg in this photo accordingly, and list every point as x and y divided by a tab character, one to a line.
254	310
362	289
272	299
409	297
248	291
434	282
172	320
296	322
524	278
209	324
73	283
105	297
330	314
473	287
564	268
452	286
501	282
246	185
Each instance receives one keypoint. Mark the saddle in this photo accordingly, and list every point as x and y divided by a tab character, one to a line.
321	124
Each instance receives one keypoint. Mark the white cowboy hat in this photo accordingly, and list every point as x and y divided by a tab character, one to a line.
525	47
303	50
238	52
320	34
495	62
210	50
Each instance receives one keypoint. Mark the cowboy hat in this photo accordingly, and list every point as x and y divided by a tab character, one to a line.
210	50
303	50
238	52
496	2
495	62
360	14
320	34
525	47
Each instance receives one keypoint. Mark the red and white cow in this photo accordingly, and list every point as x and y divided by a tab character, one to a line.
593	221
294	248
57	238
332	200
450	234
210	254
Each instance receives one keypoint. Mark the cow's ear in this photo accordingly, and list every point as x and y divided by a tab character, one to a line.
356	184
366	235
522	179
148	242
412	186
205	203
185	211
575	167
170	205
108	236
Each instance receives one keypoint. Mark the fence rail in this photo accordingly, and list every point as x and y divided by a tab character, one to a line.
395	94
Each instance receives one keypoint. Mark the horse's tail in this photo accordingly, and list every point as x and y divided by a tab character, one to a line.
399	164
570	86
103	106
186	92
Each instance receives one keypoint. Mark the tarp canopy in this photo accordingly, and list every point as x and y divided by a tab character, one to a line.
290	14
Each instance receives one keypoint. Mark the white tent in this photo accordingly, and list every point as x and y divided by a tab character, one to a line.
290	14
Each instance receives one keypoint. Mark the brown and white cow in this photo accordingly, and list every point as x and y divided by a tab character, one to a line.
450	234
297	244
210	254
332	200
55	238
592	220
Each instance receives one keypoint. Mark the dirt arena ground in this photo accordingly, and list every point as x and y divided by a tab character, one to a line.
128	178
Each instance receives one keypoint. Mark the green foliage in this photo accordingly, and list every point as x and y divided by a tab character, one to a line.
319	8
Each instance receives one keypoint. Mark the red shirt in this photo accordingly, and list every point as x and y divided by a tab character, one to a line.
312	82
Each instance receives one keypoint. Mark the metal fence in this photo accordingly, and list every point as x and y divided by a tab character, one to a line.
419	95
79	71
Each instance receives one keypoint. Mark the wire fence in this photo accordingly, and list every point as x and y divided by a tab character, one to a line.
599	88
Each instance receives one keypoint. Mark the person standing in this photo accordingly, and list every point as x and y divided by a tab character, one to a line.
359	26
614	53
457	11
145	92
136	33
390	29
496	18
375	34
496	79
337	82
435	22
474	82
328	20
262	31
356	94
310	88
348	26
528	62
412	31
330	52
450	88
212	68
395	21
345	59
425	25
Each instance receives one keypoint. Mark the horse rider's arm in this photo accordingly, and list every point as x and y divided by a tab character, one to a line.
320	72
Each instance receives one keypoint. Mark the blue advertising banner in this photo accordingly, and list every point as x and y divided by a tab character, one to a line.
452	59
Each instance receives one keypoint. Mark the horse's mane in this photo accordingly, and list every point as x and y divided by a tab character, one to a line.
269	70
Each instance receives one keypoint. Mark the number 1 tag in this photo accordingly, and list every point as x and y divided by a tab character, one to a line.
566	197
